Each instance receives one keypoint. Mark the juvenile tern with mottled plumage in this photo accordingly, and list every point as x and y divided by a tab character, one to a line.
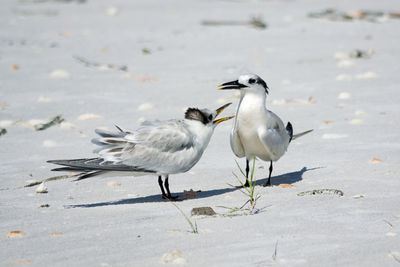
158	147
257	131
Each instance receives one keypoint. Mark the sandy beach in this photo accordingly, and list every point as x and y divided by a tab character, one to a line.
69	67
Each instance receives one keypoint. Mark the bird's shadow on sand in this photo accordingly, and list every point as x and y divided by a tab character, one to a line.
287	178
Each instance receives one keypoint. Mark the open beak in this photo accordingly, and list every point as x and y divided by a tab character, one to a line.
231	85
219	110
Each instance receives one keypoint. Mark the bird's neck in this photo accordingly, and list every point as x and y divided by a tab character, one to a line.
253	100
202	133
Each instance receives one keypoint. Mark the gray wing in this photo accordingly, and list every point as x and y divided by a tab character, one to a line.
150	147
274	136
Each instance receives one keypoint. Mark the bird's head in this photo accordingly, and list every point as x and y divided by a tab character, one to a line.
251	82
205	116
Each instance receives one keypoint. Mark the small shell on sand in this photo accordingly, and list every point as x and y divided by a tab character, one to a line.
366	75
60	74
44	99
14	234
112	11
113	183
391	234
375	161
6	123
345	64
344	77
286	185
145	107
344	95
359	112
88	116
67	125
14	67
49	143
356	121
175	257
334	136
21	262
56	234
42	189
341	55
358	196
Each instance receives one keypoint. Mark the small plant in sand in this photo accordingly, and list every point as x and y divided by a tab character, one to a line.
248	191
193	226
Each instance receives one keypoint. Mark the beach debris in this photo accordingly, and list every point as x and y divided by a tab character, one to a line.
15	234
42	189
44	206
60	177
112	11
54	121
322	192
286	185
359	112
207	211
286	82
21	262
145	107
334	136
189	194
113	183
44	99
88	116
344	77
56	234
145	79
88	63
49	143
307	101
60	74
358	196
375	160
345	63
391	234
366	15
3	131
366	75
344	95
358	53
174	257
356	121
14	67
256	22
67	125
146	51
2	105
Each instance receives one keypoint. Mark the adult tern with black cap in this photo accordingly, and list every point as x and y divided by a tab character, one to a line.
257	131
158	147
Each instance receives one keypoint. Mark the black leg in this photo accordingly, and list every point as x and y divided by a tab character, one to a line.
269	176
247	184
166	184
160	183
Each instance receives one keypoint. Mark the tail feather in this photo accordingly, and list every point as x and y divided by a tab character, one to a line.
94	164
289	129
295	136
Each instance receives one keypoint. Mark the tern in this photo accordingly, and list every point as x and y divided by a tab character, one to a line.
257	131
158	147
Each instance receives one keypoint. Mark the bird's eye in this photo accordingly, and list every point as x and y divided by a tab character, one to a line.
210	117
252	80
